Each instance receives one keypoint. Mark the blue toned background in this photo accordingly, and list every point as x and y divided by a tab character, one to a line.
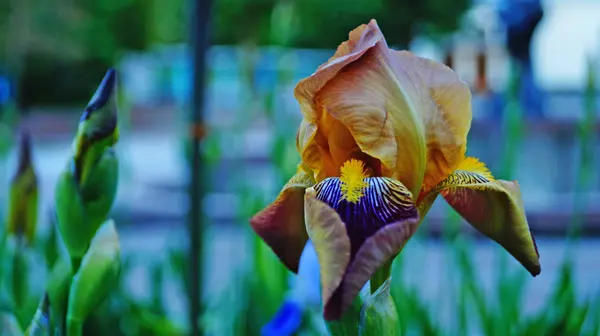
533	69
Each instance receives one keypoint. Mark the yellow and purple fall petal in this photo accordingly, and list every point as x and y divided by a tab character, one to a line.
494	208
356	225
281	224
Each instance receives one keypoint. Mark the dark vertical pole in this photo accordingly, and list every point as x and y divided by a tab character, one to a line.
199	45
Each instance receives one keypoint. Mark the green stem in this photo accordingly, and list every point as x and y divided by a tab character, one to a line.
380	276
74	327
75	263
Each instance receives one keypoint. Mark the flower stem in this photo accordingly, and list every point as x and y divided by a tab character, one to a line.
74	327
75	263
380	276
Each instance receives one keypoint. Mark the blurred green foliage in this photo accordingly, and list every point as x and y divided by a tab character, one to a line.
56	49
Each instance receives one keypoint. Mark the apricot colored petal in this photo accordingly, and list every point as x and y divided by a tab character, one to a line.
281	224
446	125
359	41
379	104
312	146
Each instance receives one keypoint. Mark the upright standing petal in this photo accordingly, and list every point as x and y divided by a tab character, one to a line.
494	207
321	140
381	102
281	224
448	124
311	145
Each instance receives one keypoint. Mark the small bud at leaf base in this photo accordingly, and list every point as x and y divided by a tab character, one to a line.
96	277
57	288
379	315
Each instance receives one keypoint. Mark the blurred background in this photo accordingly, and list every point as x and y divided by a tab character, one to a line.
532	66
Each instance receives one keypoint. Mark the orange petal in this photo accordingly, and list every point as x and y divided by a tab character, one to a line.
328	143
314	151
281	224
376	100
360	40
494	208
448	124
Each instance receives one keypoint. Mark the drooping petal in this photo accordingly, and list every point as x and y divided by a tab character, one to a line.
494	208
353	240
448	124
281	224
330	239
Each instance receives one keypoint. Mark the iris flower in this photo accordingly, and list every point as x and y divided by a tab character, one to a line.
384	132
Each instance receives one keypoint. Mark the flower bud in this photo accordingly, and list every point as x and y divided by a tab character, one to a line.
87	187
97	276
57	288
379	315
82	209
23	199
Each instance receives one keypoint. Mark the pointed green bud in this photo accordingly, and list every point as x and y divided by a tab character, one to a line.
97	127
379	315
23	200
96	278
87	187
80	210
9	326
57	288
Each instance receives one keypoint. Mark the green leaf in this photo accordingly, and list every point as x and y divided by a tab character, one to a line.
9	326
96	278
40	324
19	277
51	246
57	288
